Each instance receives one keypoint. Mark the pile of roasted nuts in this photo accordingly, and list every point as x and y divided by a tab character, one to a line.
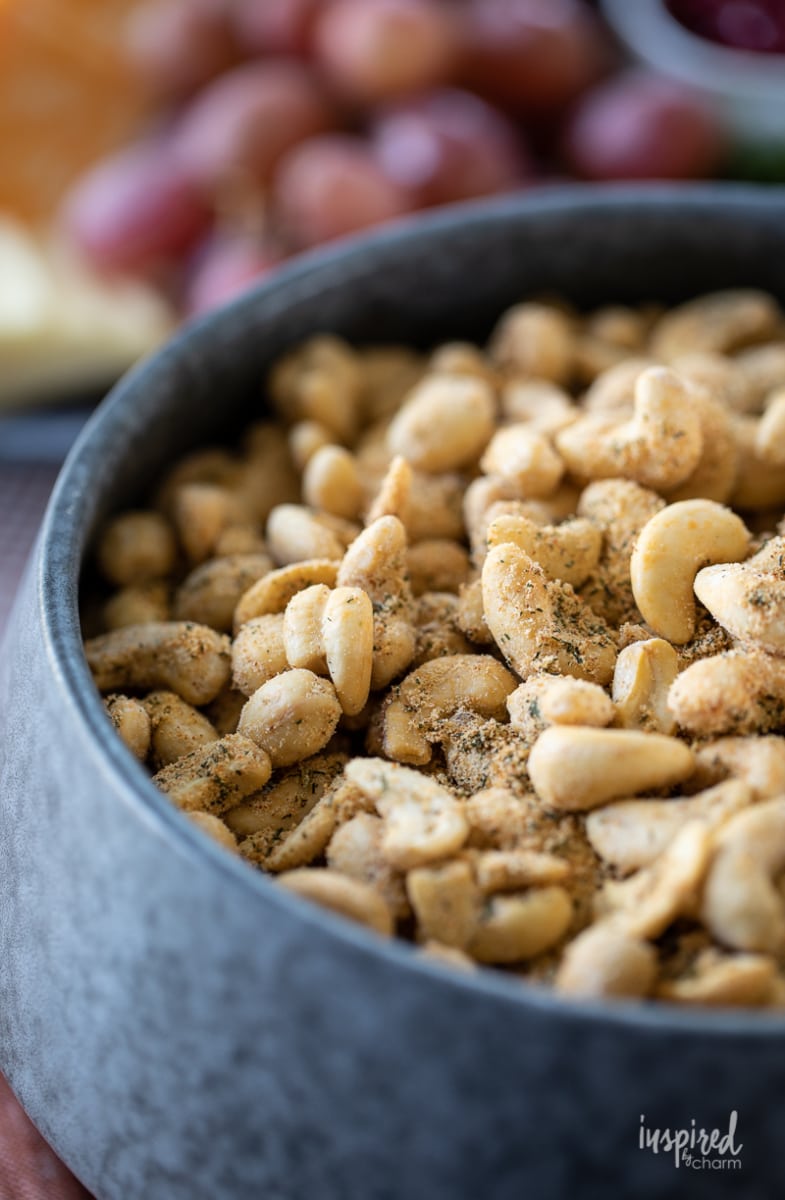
476	647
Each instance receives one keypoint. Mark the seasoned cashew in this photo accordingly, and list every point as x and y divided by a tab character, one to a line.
444	424
519	453
306	840
659	447
258	652
331	633
136	548
568	552
641	681
295	534
541	625
717	323
498	818
321	381
545	407
331	482
470	616
513	928
719	377
437	565
574	768
671	549
137	604
189	659
376	563
265	819
436	623
393	496
759	762
291	716
760	483
216	777
132	723
715	475
737	979
435	691
620	509
606	960
423	821
650	900
742	691
349	897
211	593
272	593
557	700
741	905
446	902
355	849
536	341
202	513
613	389
748	599
176	728
511	870
630	834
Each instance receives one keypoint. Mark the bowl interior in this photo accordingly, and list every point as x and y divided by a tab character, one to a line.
442	277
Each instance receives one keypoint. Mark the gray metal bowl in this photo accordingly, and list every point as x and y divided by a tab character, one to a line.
182	1029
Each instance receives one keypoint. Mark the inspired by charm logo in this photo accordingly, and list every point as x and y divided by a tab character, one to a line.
696	1149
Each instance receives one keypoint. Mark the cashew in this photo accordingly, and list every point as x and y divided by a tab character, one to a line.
759	762
498	818
541	625
331	482
188	659
435	691
136	548
620	509
295	534
555	700
258	652
389	373
720	377
305	439
650	900
202	513
343	895
215	828
670	550
216	777
307	840
544	407
423	821
763	370
291	716
573	768
132	723
738	979
760	483
331	633
444	424
267	475
224	711
272	593
742	691
568	552
517	927
535	341
518	453
176	728
741	906
715	475
136	605
470	616
213	590
630	834
659	447
266	818
393	497
376	563
511	870
320	381
355	850
715	323
436	622
437	565
641	681
748	599
446	902
606	960
463	358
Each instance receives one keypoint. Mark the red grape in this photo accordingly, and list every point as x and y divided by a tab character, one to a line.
239	127
330	186
179	45
642	126
225	266
135	210
449	145
276	26
532	55
376	50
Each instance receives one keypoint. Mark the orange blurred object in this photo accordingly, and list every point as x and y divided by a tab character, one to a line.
67	95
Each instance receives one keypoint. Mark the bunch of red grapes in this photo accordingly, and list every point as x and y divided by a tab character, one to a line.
286	123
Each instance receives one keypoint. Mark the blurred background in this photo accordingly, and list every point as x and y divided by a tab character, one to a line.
158	156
